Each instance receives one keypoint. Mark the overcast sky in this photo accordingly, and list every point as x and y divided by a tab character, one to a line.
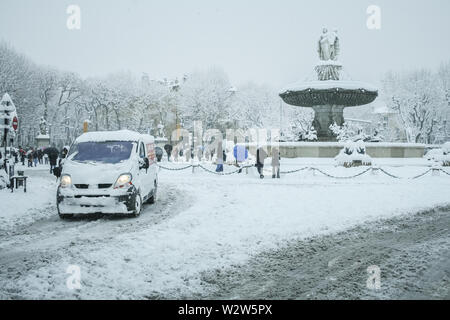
265	41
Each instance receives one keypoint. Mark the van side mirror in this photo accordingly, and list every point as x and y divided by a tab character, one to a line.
144	163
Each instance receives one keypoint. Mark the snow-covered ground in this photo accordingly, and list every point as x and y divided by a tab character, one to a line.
19	208
202	222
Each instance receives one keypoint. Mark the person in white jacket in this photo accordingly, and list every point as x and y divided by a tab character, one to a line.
275	163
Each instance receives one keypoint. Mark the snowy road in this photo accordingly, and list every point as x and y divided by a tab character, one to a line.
201	225
31	246
413	254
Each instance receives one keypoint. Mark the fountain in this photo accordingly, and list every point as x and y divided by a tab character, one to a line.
328	95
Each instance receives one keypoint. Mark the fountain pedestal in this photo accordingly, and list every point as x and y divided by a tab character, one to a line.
324	116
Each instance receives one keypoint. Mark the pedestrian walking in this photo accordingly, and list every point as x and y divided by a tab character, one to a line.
53	154
22	155
219	160
35	158
40	156
200	153
175	154
261	155
30	158
240	153
168	149
275	163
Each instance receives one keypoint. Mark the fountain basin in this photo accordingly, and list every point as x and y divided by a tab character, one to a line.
331	92
328	99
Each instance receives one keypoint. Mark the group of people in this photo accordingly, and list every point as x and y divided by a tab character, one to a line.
261	156
42	156
240	153
33	156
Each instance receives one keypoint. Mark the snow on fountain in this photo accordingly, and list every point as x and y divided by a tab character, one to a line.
328	95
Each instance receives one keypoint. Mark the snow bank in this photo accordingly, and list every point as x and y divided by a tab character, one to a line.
3	177
440	156
353	153
38	202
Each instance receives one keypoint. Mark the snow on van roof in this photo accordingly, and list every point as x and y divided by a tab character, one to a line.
122	135
148	138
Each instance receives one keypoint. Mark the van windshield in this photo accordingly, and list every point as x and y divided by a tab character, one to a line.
106	152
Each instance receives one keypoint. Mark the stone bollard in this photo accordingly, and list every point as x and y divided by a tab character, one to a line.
375	171
435	171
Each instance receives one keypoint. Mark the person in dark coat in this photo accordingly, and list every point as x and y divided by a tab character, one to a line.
35	158
261	155
40	156
30	158
22	155
53	158
168	149
16	156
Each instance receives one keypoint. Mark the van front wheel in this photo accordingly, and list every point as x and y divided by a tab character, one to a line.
137	205
62	215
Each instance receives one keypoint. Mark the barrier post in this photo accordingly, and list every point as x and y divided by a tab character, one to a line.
375	171
435	171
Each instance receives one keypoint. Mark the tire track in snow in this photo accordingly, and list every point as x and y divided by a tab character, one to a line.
48	240
412	252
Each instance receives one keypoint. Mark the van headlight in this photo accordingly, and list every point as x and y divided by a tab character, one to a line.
123	180
66	181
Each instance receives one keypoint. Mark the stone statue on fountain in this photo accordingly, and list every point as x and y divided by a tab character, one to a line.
328	49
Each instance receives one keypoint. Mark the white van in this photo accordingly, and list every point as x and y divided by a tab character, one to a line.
111	172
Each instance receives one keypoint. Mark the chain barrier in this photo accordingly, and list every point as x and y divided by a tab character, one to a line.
412	178
224	173
295	171
175	169
421	175
337	177
388	174
303	169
